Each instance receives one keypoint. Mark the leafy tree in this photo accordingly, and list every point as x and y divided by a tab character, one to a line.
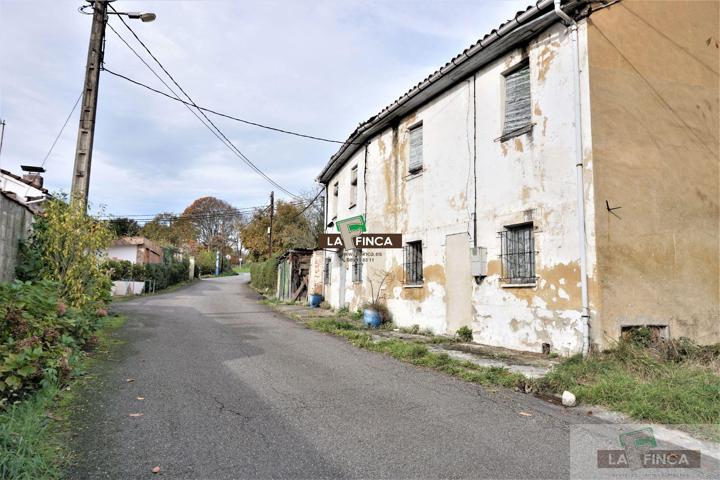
124	227
293	227
169	229
215	222
66	247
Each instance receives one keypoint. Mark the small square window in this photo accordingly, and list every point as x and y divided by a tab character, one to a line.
413	263
416	149
517	254
517	101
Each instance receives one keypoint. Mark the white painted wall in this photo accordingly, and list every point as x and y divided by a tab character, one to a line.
123	252
529	177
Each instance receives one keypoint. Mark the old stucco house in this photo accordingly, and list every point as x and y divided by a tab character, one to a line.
555	183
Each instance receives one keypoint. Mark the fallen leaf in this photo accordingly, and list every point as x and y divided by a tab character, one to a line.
141	398
156	469
589	412
525	414
136	414
130	380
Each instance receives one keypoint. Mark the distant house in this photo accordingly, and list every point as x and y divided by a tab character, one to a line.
138	250
27	189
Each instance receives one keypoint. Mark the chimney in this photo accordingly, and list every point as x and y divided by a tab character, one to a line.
34	179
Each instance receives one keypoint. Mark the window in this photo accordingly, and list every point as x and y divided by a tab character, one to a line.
353	186
517	101
326	271
413	263
416	149
517	252
334	199
357	266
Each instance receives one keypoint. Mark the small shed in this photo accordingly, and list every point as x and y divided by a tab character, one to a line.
292	274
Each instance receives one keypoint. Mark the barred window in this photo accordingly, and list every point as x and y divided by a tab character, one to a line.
517	252
357	266
517	101
353	186
326	272
413	263
416	149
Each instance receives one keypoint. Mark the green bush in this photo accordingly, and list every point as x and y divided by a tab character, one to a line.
40	337
263	275
162	274
465	333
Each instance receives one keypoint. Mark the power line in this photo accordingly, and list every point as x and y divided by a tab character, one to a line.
229	143
225	115
57	137
309	204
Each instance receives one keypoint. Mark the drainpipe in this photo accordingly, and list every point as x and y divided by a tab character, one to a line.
570	22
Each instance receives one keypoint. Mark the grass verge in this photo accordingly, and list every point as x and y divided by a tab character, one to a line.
33	433
671	382
419	354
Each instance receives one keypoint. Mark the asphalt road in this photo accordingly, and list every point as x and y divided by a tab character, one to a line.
234	390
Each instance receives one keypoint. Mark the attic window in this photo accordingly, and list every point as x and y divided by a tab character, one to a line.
416	149
517	101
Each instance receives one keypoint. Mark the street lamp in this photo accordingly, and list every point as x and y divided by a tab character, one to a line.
86	131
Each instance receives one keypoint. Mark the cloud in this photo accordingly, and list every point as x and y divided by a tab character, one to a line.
319	67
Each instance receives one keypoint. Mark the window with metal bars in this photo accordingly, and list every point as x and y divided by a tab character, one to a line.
357	266
326	271
412	253
517	254
517	101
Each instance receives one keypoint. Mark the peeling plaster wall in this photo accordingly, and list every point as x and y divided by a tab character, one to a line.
530	177
655	103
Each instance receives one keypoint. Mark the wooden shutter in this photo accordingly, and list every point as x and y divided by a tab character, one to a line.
517	99
416	149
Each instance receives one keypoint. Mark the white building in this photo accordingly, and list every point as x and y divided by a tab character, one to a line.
486	168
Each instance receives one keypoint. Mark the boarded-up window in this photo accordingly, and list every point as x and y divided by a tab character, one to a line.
353	186
416	149
517	251
517	100
326	271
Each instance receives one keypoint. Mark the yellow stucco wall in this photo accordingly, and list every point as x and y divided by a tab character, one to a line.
653	71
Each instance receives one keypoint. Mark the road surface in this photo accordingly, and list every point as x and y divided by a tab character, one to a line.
234	390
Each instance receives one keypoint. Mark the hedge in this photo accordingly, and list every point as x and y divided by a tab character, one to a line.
163	274
263	275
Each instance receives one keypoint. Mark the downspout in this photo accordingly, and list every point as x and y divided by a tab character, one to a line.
572	25
475	242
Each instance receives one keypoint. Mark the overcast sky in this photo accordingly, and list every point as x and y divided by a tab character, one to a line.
318	67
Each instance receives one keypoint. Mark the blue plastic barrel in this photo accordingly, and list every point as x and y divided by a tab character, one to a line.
315	300
371	318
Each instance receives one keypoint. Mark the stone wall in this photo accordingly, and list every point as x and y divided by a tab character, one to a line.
15	224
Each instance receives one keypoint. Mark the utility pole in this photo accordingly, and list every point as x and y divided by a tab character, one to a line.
272	212
86	131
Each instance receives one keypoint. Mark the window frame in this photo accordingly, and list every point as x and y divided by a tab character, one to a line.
327	271
335	197
412	129
353	186
516	247
527	127
357	266
413	264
